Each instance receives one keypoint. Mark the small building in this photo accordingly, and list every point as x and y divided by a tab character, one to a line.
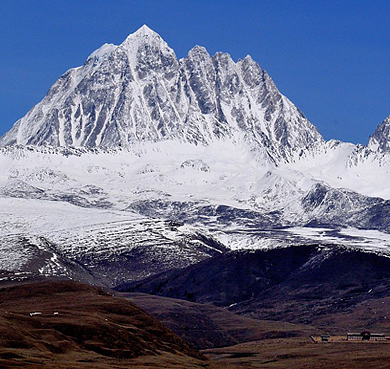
354	337
378	337
366	336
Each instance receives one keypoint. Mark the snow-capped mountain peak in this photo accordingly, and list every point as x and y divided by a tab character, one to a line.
144	31
145	44
139	91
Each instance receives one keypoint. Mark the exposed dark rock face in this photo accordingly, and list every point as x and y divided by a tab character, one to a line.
330	207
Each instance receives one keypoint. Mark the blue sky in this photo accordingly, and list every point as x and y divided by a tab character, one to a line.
331	58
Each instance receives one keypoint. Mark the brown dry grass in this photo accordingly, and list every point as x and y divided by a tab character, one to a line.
95	330
300	353
82	327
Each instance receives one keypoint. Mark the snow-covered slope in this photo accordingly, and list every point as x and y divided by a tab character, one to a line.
345	165
112	215
139	91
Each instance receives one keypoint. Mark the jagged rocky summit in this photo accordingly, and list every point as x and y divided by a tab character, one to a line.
140	92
